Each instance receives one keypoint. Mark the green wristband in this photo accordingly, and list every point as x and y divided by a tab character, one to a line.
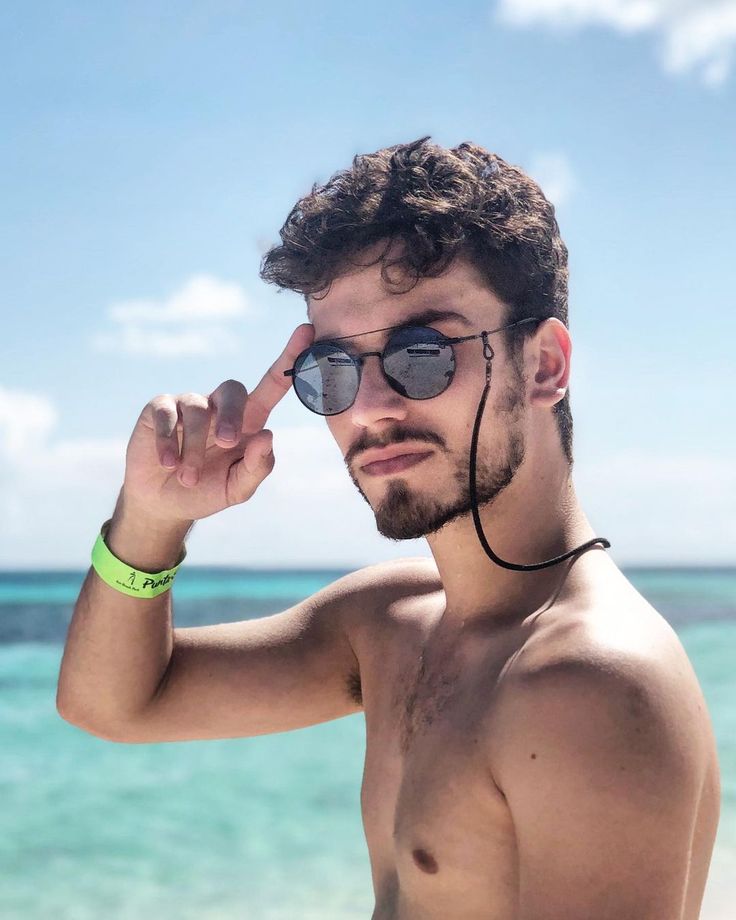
125	578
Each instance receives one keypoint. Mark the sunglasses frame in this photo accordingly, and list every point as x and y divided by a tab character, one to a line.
359	358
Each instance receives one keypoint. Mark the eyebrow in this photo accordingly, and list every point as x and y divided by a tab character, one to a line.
419	318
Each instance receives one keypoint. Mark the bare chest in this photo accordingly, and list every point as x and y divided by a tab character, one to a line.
440	835
435	822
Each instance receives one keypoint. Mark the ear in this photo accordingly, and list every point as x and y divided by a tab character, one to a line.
551	350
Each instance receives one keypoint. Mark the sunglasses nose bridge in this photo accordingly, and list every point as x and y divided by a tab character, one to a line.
384	377
377	397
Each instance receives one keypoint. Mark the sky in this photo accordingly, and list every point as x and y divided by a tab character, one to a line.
153	150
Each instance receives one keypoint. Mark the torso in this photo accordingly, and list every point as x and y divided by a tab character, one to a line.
440	835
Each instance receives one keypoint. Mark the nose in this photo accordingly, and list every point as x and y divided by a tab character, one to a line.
376	398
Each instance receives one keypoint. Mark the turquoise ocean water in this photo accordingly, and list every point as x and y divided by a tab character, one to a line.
264	828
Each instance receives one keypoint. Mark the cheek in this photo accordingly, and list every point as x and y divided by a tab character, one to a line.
457	406
468	383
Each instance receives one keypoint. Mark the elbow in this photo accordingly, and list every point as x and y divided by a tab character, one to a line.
90	726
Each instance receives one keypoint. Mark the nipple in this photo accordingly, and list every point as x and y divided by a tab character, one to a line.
425	861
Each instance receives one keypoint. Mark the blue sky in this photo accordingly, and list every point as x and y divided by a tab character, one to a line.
153	151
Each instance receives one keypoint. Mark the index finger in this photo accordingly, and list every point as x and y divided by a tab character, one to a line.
274	385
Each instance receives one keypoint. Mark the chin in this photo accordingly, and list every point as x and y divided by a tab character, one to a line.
406	513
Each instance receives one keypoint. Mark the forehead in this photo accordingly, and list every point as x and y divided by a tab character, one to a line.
361	301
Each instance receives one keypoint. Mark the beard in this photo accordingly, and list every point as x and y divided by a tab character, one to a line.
406	513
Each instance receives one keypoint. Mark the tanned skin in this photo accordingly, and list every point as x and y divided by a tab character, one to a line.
538	746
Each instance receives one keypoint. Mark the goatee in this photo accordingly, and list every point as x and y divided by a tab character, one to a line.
407	513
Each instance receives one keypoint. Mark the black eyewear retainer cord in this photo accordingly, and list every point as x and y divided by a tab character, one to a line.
488	355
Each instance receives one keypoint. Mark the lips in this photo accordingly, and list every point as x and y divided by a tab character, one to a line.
390	453
396	463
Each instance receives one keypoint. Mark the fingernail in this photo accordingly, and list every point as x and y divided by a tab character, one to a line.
169	459
189	476
226	433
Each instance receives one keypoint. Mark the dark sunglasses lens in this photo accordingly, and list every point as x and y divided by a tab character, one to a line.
419	362
325	379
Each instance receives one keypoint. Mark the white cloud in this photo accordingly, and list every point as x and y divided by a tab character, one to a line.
26	420
197	320
56	491
555	176
693	35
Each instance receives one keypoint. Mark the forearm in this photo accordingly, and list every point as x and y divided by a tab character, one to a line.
118	647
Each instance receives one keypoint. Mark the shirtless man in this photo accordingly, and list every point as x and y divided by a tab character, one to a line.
538	745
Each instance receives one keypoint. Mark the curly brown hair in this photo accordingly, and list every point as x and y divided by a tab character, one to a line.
439	203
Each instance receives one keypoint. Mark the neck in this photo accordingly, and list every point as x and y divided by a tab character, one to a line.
537	517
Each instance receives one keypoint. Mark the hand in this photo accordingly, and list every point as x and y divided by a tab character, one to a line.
208	471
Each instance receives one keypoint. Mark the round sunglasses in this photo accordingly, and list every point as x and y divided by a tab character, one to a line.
417	361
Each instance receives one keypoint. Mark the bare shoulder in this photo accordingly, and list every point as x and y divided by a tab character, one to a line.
383	582
384	587
394	596
618	640
617	665
407	573
378	600
603	742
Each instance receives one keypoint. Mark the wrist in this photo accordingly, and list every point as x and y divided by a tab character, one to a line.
143	541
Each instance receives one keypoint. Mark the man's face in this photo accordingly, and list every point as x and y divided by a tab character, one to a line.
423	498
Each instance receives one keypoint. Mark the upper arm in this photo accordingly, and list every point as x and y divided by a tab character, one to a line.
602	778
272	674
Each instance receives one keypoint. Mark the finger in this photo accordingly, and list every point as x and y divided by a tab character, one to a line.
195	414
228	402
259	445
164	416
253	468
274	385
